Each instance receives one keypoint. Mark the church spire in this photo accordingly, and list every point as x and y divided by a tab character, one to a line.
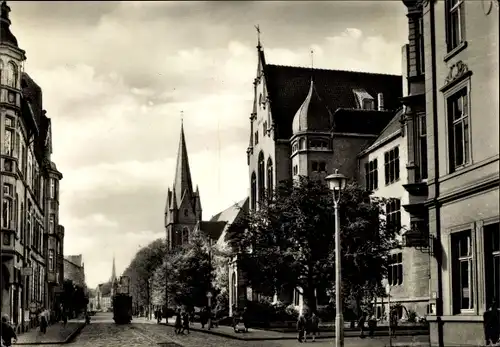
182	181
113	271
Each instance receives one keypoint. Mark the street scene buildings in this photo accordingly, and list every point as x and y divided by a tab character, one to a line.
32	238
427	141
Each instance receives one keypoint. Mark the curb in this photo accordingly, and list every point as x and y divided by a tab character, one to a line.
291	337
67	340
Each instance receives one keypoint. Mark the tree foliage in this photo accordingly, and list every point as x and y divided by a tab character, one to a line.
188	271
289	242
142	269
74	298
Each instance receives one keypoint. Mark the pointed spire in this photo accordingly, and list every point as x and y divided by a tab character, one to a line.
182	181
113	271
6	36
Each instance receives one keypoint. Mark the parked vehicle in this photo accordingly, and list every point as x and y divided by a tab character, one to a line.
122	308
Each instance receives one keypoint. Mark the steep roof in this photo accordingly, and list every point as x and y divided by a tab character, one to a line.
212	229
392	128
182	181
313	114
230	215
288	86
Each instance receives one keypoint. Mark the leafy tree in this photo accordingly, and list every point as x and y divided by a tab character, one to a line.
289	242
74	298
142	268
189	272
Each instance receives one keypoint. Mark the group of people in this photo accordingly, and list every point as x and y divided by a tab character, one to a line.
182	320
307	324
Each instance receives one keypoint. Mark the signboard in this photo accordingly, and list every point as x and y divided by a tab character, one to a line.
27	271
58	290
415	238
209	294
33	307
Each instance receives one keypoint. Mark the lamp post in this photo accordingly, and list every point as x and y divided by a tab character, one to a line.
336	183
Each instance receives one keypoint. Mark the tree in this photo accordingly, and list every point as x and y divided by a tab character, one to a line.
289	242
142	268
189	272
74	298
222	254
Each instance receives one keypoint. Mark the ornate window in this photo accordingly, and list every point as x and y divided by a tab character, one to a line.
270	176
234	287
422	145
261	177
253	191
52	219
9	140
52	188
462	271
419	42
1	71
256	137
458	129
12	75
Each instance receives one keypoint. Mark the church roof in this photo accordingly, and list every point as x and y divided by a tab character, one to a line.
313	114
288	86
6	36
182	181
369	122
213	229
230	215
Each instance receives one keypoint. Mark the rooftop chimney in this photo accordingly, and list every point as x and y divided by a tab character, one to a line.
380	101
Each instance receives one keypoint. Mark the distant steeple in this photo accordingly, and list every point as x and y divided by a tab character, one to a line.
113	271
6	36
182	182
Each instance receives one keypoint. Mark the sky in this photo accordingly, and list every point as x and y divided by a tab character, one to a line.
116	76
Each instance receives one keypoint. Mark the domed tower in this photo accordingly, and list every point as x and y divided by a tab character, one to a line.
311	139
11	60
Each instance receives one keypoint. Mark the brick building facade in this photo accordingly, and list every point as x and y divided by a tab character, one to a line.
32	239
74	269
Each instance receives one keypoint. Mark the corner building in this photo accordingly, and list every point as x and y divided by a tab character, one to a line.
31	237
453	59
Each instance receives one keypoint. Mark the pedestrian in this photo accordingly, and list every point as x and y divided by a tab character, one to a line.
245	317
203	317
8	333
185	322
158	316
361	325
372	324
178	322
394	322
43	323
301	327
491	323
314	326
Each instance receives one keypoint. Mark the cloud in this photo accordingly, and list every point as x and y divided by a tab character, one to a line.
116	77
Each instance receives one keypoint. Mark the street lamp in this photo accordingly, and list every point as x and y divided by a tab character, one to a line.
336	183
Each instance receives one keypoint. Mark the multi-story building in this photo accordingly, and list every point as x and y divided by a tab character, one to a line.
453	101
309	122
74	269
30	188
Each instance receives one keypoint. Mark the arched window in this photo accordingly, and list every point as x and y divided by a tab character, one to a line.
302	144
253	190
261	171
185	235
234	289
11	78
270	176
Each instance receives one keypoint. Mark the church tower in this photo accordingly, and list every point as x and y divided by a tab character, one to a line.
183	208
311	139
113	280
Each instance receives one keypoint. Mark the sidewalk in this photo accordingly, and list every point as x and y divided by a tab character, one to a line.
262	335
56	334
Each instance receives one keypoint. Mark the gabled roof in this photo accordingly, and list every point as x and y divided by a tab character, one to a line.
230	216
288	86
393	128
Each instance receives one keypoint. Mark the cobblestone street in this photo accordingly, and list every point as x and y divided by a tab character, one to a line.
103	332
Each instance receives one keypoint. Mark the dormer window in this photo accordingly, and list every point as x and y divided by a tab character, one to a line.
368	104
364	100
